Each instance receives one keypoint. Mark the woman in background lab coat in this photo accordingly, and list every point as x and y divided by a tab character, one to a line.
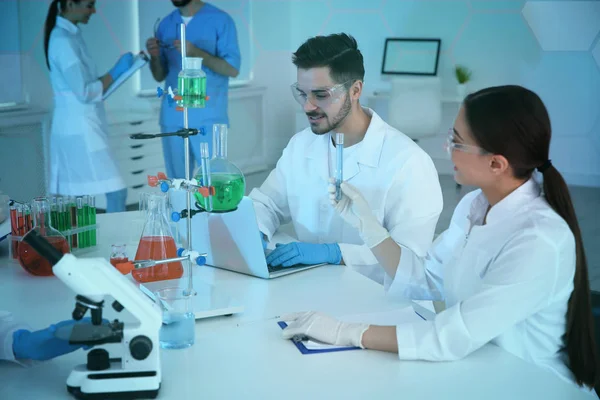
511	266
79	154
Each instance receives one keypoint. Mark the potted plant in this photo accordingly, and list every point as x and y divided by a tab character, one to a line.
463	75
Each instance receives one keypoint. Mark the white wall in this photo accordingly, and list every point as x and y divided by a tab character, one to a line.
500	40
551	47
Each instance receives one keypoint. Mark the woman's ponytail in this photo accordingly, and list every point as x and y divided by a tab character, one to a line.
50	23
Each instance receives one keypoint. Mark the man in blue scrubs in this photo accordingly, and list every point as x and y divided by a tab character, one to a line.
211	35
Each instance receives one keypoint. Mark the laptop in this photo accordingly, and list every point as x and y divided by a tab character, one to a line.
234	242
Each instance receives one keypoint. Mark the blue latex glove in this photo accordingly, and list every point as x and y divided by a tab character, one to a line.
264	242
42	345
290	254
122	65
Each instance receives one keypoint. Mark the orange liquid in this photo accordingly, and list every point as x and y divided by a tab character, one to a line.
157	248
115	261
35	264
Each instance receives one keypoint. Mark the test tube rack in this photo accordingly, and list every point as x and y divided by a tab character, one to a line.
83	235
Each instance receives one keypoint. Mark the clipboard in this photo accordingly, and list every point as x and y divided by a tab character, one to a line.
139	61
302	347
304	350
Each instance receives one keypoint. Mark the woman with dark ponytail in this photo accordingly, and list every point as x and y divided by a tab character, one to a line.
511	266
80	162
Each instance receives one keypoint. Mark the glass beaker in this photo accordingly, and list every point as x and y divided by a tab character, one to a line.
191	84
118	254
29	259
228	180
157	243
179	323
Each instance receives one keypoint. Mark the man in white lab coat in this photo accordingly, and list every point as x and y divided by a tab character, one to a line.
398	177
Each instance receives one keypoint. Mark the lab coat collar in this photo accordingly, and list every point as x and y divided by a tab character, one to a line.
507	207
369	153
66	25
372	143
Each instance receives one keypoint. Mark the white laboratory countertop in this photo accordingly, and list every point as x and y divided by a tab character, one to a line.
244	357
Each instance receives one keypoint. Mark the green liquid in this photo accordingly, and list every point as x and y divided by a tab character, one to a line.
66	225
93	222
87	218
229	191
192	91
73	219
61	222
54	219
82	236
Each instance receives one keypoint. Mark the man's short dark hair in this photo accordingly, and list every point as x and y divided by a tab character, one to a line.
339	52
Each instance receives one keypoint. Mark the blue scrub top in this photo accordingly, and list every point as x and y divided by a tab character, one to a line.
213	31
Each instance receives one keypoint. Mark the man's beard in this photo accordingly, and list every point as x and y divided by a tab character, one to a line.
180	3
337	120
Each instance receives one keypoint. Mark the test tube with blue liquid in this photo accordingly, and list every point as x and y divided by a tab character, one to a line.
339	168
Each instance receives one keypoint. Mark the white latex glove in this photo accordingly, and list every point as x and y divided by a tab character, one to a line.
324	328
355	210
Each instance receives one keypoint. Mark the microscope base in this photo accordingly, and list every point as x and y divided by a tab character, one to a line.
113	383
140	394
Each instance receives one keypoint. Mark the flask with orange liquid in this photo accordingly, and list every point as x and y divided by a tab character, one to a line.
157	243
30	259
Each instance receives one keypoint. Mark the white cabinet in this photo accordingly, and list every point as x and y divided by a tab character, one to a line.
136	159
25	153
23	166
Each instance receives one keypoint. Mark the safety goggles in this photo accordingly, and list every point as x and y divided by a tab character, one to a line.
161	44
319	97
451	145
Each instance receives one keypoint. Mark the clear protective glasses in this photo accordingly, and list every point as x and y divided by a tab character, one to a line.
319	97
465	148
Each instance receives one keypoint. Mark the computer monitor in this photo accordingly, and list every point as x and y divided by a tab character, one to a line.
411	56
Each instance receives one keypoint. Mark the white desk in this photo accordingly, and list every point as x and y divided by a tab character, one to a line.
244	357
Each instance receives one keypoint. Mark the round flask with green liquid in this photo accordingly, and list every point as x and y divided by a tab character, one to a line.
227	179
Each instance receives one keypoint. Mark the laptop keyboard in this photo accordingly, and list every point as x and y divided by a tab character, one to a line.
275	269
278	268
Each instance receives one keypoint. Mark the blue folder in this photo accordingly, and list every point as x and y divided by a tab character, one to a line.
300	345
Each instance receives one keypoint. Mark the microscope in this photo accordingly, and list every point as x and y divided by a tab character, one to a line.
135	371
